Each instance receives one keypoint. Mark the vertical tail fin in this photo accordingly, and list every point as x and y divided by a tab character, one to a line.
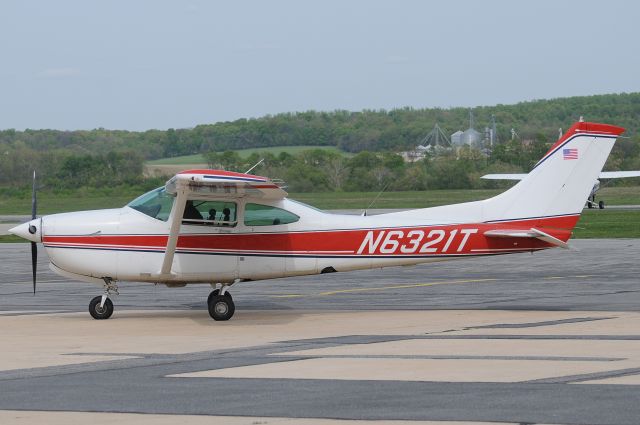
562	180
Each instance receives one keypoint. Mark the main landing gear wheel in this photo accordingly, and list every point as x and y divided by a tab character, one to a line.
215	293
221	307
100	313
601	205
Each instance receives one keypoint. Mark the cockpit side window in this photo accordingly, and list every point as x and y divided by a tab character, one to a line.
210	213
156	204
266	215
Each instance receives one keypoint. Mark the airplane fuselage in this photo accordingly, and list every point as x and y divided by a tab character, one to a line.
127	245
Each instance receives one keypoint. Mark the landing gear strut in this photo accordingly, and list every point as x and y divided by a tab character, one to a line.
101	306
220	304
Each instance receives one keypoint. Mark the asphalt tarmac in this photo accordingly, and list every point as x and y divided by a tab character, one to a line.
545	338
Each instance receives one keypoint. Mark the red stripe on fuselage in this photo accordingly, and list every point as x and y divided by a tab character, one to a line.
408	241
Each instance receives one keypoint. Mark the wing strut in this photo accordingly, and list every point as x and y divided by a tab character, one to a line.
176	222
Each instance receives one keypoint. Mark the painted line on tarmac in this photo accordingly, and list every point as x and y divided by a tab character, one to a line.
405	286
582	276
25	282
416	285
385	288
31	312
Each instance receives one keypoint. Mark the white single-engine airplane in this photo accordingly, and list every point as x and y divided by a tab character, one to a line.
221	227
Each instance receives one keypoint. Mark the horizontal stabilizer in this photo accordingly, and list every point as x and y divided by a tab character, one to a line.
618	174
510	234
530	233
550	239
503	176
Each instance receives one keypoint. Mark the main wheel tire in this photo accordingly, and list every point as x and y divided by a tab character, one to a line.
215	293
601	205
100	313
221	308
589	204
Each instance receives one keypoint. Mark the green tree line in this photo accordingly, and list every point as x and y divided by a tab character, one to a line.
318	170
374	130
106	157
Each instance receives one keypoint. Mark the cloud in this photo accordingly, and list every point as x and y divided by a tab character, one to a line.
60	73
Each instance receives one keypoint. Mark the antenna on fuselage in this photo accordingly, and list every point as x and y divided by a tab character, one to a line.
364	213
257	163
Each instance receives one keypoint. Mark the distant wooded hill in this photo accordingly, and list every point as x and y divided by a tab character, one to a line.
375	130
100	153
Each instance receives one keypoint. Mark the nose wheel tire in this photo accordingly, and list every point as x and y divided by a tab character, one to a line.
221	307
100	313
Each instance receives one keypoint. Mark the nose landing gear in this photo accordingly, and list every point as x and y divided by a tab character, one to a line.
101	307
220	304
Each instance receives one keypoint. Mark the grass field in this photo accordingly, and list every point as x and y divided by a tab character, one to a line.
608	224
244	153
49	203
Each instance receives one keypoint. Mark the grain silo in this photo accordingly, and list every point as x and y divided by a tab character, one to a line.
471	136
456	138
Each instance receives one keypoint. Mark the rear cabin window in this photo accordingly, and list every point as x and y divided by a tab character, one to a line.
265	215
210	213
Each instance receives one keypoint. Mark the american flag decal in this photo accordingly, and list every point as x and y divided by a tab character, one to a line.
570	153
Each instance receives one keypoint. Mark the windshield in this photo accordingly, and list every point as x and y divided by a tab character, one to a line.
156	204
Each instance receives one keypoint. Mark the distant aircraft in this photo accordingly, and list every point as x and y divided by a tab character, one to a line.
591	199
221	228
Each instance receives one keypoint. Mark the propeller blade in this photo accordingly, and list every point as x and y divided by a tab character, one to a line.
34	262
34	199
34	247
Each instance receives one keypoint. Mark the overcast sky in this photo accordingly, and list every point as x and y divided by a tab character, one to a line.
138	65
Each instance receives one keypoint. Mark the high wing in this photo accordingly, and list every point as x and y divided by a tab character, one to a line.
207	184
603	175
223	184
